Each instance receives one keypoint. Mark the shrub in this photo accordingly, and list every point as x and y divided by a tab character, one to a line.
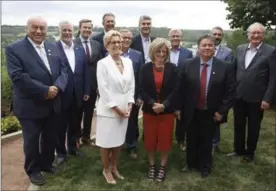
9	124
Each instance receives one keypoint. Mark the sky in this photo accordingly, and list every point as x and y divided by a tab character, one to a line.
171	14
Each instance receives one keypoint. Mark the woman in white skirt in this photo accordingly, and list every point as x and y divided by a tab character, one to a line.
116	88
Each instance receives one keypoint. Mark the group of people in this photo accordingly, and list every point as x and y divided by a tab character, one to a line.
55	86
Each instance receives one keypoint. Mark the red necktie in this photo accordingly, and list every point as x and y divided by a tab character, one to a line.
87	49
203	84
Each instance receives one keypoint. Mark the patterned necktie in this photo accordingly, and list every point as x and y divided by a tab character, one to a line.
87	49
43	57
203	84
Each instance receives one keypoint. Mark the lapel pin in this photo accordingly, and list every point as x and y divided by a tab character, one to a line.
49	50
214	73
49	54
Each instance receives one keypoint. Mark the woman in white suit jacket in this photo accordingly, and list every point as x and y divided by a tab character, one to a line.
116	88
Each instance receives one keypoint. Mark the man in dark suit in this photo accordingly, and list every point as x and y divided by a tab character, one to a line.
38	76
77	90
142	41
93	55
108	22
207	92
137	61
255	87
178	55
222	53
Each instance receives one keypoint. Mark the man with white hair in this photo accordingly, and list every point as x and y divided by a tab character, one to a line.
178	55
255	88
39	76
77	91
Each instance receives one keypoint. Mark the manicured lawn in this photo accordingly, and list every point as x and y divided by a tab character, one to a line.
228	173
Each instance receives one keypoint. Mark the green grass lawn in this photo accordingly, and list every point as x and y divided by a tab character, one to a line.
228	173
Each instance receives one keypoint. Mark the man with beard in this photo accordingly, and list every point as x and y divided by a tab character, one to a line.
255	88
206	94
137	61
93	54
178	55
142	41
222	53
108	24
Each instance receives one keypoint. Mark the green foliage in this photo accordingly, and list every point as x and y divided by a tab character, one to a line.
9	124
242	13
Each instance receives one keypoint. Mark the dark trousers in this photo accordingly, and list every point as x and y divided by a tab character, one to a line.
39	143
132	133
216	138
252	115
179	132
88	110
200	133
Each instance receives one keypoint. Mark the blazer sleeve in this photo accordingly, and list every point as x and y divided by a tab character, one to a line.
22	80
229	93
142	84
229	57
61	81
103	85
131	84
170	100
269	94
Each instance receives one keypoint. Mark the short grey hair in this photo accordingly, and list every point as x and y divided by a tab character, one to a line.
256	24
156	45
175	30
107	15
64	23
36	18
109	35
218	28
144	17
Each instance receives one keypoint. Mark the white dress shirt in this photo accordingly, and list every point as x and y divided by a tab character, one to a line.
146	45
174	55
217	48
70	54
88	43
40	49
250	53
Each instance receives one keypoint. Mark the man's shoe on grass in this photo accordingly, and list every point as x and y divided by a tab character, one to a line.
37	179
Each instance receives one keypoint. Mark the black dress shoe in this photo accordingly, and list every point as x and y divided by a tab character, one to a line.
37	179
51	170
248	159
205	172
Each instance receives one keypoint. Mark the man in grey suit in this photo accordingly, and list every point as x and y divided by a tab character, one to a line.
255	87
223	53
94	54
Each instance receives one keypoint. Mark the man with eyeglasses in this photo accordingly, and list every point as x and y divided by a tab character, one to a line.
255	88
137	61
223	53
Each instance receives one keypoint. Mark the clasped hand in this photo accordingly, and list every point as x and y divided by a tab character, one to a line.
158	108
52	92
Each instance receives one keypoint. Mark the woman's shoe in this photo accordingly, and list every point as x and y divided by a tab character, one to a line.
107	180
117	174
151	172
161	175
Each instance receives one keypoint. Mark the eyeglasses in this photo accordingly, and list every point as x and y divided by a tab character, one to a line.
256	32
115	42
127	38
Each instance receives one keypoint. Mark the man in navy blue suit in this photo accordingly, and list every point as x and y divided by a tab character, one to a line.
77	90
137	60
38	76
178	55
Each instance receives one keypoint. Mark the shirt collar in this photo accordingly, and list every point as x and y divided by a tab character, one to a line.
65	46
175	50
258	47
36	45
82	39
217	47
209	62
144	39
125	54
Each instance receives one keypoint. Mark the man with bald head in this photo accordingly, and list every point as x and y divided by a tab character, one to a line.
255	88
38	76
77	91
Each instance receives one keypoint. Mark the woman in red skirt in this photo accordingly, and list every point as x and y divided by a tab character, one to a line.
158	80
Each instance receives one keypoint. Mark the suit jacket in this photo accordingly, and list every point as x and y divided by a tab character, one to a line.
96	55
168	93
220	93
79	81
31	79
256	82
183	55
115	89
137	61
273	61
99	38
224	53
137	44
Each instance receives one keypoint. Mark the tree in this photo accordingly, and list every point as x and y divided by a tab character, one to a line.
245	12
